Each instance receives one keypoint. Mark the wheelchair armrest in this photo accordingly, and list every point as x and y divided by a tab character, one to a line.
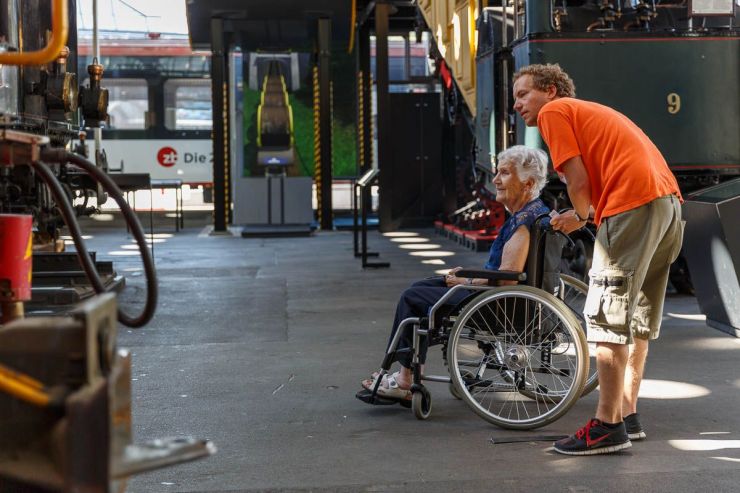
492	275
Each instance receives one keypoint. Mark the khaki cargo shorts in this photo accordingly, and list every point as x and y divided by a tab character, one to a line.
629	274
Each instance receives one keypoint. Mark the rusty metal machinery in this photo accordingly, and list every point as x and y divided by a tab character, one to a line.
15	268
94	98
65	407
65	393
42	105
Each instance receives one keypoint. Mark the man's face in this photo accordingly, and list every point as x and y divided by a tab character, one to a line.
528	101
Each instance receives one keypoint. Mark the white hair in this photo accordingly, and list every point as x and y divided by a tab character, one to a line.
529	162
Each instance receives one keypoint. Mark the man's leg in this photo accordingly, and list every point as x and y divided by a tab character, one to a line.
633	375
606	433
611	361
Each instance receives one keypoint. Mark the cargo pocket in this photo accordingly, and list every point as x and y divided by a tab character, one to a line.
608	300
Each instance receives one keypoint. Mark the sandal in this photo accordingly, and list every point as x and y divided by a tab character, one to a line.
388	387
369	383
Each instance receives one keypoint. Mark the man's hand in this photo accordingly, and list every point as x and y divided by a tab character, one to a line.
567	222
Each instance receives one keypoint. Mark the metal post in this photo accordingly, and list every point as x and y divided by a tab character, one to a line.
97	131
365	205
326	221
504	78
219	85
385	163
364	121
355	218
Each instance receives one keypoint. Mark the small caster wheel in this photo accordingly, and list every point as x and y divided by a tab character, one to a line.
421	403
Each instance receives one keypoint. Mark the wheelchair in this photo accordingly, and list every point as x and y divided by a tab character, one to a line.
516	354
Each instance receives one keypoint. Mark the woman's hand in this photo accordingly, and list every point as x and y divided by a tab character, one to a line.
451	280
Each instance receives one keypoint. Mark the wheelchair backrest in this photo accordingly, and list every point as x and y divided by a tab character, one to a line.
545	254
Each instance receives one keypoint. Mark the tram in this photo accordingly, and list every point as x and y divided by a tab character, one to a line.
160	114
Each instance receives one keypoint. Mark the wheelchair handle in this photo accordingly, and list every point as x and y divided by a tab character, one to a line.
584	229
548	229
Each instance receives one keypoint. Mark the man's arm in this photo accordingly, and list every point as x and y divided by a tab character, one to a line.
579	192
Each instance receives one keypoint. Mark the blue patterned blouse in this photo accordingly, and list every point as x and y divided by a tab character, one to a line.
523	217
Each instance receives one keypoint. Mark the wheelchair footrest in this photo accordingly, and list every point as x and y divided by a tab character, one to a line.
368	397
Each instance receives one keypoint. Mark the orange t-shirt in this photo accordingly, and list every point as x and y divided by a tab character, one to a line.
624	167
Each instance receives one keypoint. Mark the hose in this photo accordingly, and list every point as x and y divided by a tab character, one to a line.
62	157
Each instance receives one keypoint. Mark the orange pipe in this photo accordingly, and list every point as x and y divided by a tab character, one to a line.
353	21
49	53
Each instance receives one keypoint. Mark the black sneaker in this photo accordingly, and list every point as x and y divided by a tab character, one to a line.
595	438
634	427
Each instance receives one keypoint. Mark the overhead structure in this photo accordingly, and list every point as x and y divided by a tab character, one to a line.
277	25
410	140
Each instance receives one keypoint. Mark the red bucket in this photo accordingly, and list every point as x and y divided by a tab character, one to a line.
15	257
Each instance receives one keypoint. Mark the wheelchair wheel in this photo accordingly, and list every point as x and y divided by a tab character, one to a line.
526	353
421	403
574	293
466	374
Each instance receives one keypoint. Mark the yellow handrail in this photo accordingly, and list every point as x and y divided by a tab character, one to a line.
259	126
59	32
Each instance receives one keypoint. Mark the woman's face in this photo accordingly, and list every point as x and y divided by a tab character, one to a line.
510	190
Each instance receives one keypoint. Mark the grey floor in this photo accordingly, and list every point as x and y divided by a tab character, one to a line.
260	344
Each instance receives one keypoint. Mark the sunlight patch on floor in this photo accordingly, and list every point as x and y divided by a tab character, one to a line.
419	246
433	253
728	459
104	218
84	237
668	389
703	445
688	316
410	240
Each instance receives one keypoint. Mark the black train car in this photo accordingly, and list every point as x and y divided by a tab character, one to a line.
674	72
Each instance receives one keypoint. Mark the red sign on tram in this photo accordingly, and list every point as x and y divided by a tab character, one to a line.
167	156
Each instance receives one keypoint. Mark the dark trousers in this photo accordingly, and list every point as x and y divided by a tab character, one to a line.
416	301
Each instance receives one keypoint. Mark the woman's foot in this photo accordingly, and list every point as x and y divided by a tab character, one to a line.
401	380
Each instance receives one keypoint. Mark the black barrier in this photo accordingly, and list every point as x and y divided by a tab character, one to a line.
712	249
362	189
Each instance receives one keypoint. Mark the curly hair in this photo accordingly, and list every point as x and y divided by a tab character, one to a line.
544	76
529	162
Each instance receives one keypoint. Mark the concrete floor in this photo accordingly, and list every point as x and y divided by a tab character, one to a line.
260	344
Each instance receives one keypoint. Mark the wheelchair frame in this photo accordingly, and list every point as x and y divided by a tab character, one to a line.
506	365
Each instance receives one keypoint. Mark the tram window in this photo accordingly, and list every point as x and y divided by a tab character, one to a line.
188	104
127	103
406	58
418	61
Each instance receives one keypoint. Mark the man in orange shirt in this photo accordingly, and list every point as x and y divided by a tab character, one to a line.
609	164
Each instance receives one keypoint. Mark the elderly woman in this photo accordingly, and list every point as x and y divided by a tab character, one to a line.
520	176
